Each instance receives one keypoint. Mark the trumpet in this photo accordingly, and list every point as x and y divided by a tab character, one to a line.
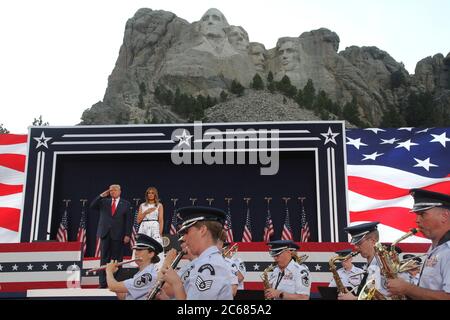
94	270
231	251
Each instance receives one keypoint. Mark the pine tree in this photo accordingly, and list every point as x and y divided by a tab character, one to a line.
3	129
237	88
270	77
223	96
351	113
39	122
257	82
309	94
392	119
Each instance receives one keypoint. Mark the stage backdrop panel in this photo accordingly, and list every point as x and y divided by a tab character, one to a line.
300	160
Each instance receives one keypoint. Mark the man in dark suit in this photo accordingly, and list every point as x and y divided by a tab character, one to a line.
114	226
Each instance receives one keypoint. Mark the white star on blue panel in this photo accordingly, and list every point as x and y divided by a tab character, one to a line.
184	138
42	140
330	136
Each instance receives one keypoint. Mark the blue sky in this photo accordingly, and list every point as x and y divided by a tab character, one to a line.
57	55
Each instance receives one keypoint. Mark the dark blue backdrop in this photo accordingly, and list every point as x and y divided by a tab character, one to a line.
85	176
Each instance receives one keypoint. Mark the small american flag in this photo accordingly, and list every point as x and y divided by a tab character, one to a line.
287	230
97	248
228	227
247	235
134	229
305	234
173	224
62	236
81	235
268	229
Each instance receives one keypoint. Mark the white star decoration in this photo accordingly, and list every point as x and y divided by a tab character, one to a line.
1	267
372	156
44	266
42	140
423	131
256	266
441	138
355	142
59	266
406	144
330	136
318	267
184	138
30	266
375	130
426	164
390	141
406	128
14	267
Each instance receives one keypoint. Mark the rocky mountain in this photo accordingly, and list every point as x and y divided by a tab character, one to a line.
162	52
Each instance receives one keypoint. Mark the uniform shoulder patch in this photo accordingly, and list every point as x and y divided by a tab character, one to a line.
142	280
208	267
203	285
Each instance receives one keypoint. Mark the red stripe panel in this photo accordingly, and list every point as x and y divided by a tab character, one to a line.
13	161
13	138
442	187
7	189
395	217
40	246
374	189
304	246
382	191
24	286
10	219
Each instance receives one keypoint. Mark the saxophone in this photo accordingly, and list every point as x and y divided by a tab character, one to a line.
390	266
299	259
332	263
265	277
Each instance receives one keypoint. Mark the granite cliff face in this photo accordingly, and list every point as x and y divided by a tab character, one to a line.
204	57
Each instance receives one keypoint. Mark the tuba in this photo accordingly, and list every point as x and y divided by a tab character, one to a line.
265	277
390	266
332	263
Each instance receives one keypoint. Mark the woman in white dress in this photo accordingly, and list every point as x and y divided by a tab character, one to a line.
151	217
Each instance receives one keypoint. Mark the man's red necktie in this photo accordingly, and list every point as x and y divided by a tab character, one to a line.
113	207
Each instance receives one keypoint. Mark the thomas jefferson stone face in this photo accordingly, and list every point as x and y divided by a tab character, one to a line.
213	23
238	38
289	55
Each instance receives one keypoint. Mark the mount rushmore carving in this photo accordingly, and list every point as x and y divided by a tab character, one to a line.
205	56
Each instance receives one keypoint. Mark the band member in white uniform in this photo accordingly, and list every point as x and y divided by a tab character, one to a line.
136	288
412	275
364	237
350	274
234	280
209	278
241	270
432	211
289	280
151	217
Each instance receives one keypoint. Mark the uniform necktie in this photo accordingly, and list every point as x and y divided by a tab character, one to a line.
113	207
